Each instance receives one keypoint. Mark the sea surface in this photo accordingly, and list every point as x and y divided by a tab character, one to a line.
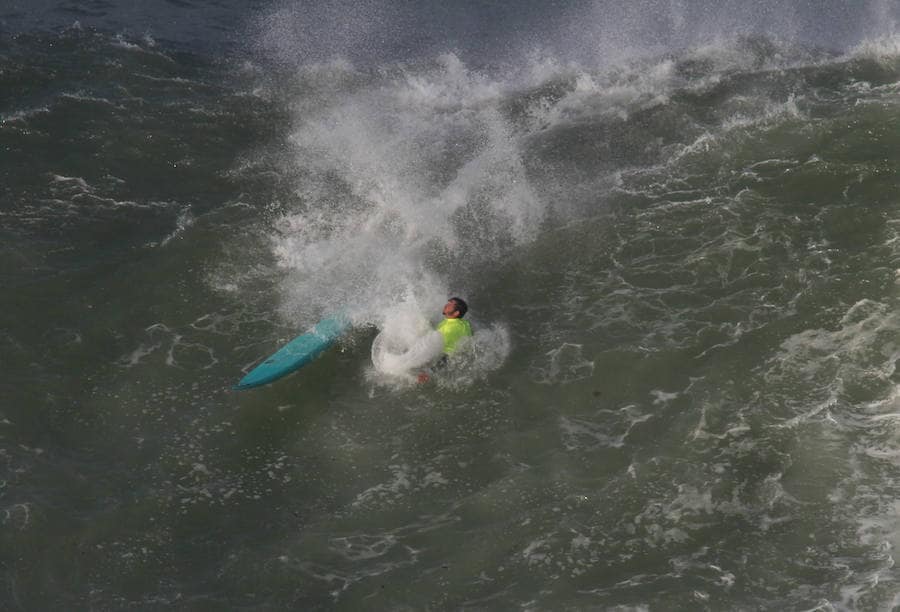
677	225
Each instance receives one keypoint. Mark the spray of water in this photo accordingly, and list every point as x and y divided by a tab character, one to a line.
412	168
407	182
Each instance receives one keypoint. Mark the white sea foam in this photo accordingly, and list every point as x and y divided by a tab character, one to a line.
22	115
183	222
563	365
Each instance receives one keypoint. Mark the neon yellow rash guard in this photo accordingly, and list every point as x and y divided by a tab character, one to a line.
453	330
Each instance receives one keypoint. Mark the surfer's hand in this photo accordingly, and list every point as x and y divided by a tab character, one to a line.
423	377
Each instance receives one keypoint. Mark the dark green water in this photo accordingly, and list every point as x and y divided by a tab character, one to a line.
682	269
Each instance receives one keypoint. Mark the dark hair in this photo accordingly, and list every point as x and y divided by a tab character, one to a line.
461	306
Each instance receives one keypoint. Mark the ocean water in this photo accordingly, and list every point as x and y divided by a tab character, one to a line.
677	225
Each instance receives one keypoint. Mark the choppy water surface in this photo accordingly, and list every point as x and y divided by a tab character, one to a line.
682	265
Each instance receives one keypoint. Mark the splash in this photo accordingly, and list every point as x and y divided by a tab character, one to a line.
414	173
406	342
595	32
408	345
406	182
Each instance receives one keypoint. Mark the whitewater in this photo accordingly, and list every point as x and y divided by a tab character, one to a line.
675	224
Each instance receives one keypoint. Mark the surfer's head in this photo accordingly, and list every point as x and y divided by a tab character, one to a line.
455	308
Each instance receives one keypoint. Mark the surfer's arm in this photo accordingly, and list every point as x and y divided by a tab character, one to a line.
439	364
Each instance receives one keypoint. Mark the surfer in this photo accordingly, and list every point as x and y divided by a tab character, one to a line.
452	329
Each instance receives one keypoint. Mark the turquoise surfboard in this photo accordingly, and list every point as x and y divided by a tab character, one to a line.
296	353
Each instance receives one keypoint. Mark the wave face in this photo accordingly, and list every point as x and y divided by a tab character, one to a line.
676	227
